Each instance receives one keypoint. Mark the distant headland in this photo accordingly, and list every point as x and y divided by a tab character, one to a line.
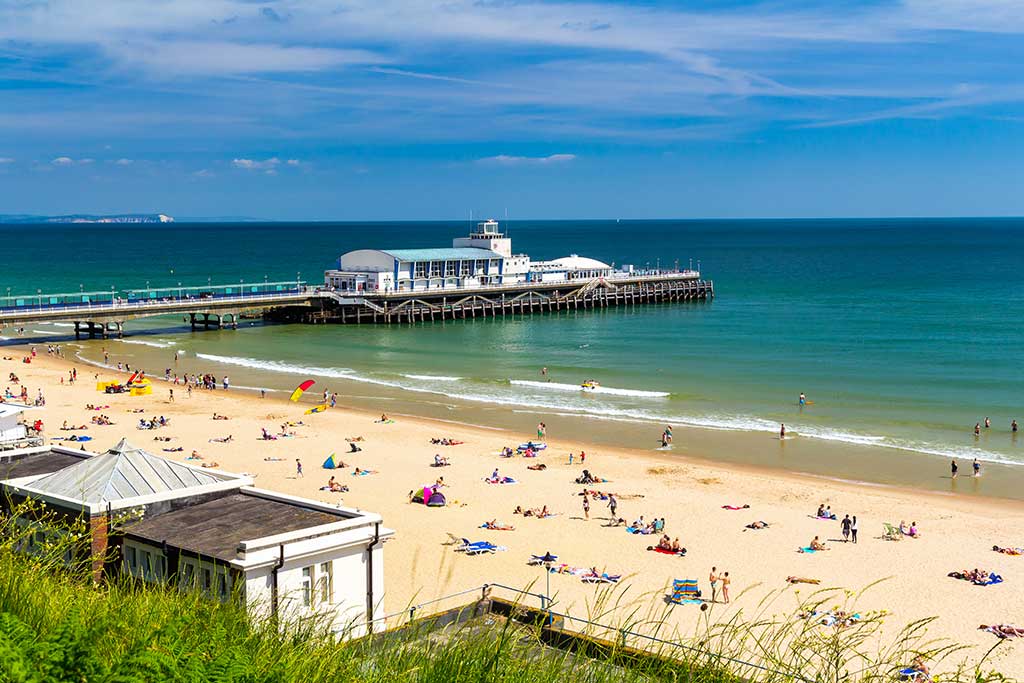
87	218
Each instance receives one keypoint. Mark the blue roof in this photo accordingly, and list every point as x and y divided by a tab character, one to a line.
449	254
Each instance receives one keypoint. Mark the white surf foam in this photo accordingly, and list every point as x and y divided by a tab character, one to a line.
556	386
277	366
436	378
153	344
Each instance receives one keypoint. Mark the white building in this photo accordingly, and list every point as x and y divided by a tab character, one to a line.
482	259
12	428
212	531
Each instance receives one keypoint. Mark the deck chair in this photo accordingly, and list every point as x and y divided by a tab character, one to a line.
452	539
476	547
891	533
684	590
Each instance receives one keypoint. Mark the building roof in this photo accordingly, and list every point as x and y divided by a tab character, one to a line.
122	472
447	253
10	409
217	528
574	262
34	464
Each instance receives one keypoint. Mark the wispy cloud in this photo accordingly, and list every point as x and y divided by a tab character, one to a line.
68	161
509	160
124	162
6	160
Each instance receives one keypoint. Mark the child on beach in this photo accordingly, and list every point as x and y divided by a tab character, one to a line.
298	467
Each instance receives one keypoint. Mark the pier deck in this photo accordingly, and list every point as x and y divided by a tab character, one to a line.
520	298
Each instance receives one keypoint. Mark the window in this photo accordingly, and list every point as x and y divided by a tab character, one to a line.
481	266
147	565
207	580
188	575
307	586
436	269
222	586
465	268
325	583
420	270
132	559
449	268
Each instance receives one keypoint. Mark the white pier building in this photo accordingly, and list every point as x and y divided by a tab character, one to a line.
482	259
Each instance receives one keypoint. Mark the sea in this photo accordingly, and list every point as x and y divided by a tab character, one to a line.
902	333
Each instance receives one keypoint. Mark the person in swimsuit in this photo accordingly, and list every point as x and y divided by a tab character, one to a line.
977	467
725	587
713	579
782	431
953	467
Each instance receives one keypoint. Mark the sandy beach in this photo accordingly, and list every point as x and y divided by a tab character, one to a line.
689	492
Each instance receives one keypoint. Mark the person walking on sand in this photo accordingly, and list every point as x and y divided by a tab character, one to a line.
613	505
298	468
586	506
853	528
977	468
170	395
952	467
713	580
846	529
782	431
725	587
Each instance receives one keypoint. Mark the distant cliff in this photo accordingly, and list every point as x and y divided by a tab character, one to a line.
86	218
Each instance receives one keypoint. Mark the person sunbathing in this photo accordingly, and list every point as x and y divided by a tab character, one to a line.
352	448
210	464
220	417
665	543
267	436
537	467
1008	550
195	456
179	449
816	544
269	459
440	461
359	472
518	510
1003	630
675	546
222	439
162	438
335	487
495	525
800	579
758	525
354	439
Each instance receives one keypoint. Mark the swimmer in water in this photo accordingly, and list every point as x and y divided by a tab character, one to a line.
977	429
977	468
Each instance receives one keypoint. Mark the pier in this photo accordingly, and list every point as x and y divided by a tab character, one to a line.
104	314
498	301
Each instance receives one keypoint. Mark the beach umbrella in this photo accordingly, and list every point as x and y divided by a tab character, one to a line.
301	389
332	462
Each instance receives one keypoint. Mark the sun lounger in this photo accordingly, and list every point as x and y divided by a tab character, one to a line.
476	547
892	533
685	591
603	577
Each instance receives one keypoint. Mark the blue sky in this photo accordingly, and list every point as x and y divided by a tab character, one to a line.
405	109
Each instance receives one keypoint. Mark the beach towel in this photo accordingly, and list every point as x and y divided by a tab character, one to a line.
807	550
363	473
667	551
735	507
501	480
1008	551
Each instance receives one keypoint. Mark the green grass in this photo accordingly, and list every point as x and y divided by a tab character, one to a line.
57	625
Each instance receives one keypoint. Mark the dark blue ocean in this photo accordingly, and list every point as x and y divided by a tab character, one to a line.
902	332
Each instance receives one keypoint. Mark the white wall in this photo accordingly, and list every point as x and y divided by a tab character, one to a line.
367	260
10	430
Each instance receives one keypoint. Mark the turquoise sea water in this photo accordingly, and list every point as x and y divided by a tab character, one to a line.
903	333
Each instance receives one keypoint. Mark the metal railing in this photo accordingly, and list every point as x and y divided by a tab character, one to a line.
623	634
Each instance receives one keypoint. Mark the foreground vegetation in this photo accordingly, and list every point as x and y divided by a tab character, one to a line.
56	625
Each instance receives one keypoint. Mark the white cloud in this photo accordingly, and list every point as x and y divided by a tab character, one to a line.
293	162
508	160
197	57
254	165
63	161
203	173
6	160
124	162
